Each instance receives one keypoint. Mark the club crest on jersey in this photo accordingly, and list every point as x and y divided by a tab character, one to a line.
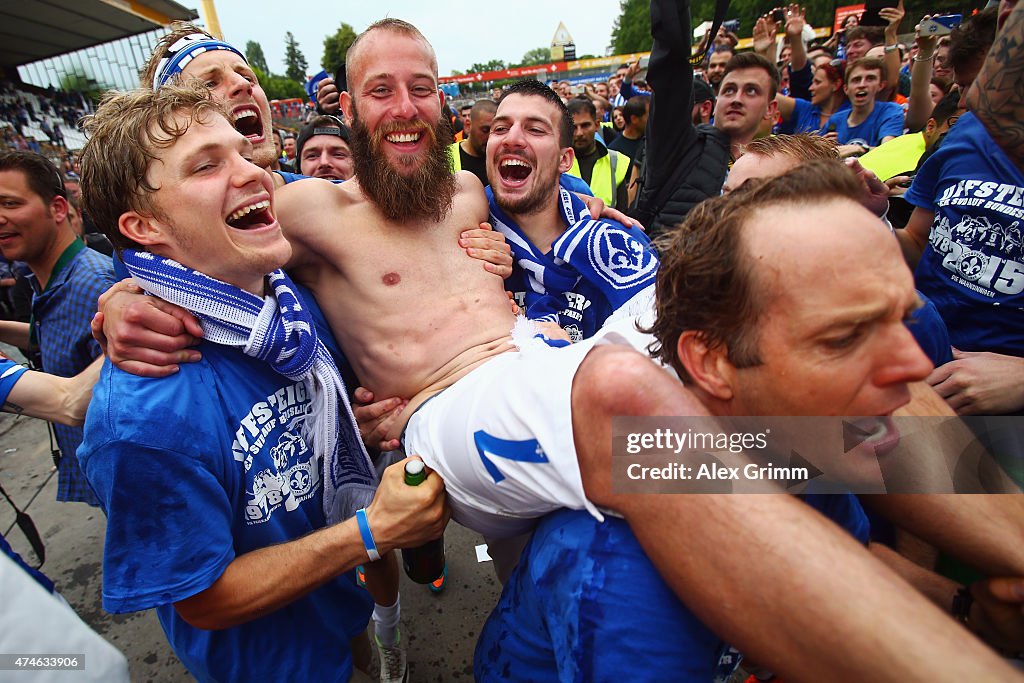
618	258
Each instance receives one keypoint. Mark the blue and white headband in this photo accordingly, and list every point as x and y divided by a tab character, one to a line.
183	51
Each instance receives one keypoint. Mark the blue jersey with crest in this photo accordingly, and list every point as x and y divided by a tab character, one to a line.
591	270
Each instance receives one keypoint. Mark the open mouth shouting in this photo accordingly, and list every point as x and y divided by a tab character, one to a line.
514	171
879	434
253	215
247	120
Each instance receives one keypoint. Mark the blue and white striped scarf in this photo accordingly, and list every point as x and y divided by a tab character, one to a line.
613	265
547	279
279	330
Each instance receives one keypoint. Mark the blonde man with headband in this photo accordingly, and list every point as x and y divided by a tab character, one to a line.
189	52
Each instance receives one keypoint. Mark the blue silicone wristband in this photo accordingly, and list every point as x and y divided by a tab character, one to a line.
364	531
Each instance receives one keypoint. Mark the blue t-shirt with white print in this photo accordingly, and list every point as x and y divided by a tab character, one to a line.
973	266
194	470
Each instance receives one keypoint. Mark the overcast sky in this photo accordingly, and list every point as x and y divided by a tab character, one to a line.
461	33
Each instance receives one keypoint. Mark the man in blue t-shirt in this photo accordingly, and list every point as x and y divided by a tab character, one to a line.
868	123
964	237
965	240
219	481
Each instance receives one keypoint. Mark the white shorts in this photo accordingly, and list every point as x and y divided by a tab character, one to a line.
501	437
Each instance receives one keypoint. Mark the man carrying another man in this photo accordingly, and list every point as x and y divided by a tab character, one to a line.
454	323
736	313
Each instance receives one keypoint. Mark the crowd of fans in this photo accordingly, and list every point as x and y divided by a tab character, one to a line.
832	228
31	117
861	88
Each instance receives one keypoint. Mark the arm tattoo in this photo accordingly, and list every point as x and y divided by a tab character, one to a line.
10	407
997	98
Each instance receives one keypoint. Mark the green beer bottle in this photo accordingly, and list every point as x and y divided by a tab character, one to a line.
424	564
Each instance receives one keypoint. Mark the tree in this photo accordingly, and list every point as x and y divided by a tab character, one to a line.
294	62
336	47
254	55
538	55
632	30
493	65
279	87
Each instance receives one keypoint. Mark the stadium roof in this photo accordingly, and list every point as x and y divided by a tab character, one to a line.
36	29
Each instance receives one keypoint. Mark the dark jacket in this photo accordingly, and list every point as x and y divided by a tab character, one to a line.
685	164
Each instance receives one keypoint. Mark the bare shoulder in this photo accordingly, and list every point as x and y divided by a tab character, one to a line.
309	193
470	197
306	204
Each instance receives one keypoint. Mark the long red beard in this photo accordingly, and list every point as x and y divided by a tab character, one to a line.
425	193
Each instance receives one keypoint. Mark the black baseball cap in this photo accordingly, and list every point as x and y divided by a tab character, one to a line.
702	92
321	125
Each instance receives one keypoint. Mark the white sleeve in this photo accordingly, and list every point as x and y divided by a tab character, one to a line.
36	622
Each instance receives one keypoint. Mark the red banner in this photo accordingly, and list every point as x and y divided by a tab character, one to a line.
519	72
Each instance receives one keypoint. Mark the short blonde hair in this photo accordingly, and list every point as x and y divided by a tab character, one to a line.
125	135
394	26
800	147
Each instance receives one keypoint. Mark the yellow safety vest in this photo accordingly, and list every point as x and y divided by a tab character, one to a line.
899	155
575	169
454	157
604	170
